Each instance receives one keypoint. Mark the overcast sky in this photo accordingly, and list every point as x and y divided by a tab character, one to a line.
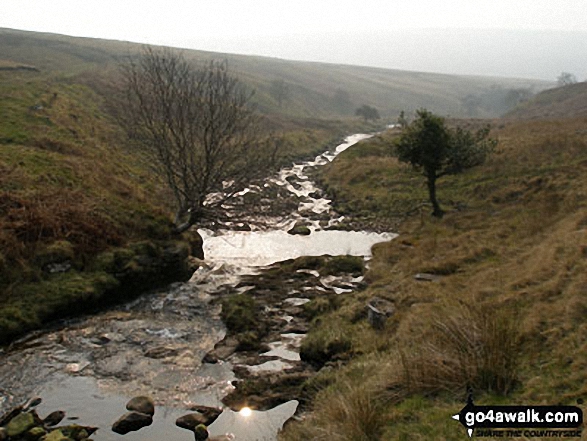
452	36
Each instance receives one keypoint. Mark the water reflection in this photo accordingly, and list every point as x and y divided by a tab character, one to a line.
260	248
155	345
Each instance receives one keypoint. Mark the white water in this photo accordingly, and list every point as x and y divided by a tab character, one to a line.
91	380
244	249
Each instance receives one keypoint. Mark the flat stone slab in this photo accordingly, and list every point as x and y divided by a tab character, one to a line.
426	277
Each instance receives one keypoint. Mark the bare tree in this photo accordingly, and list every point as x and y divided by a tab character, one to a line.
198	129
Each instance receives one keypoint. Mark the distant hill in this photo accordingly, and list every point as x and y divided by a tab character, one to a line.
561	102
313	89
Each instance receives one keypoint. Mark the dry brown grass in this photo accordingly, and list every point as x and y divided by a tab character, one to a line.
463	346
355	410
508	314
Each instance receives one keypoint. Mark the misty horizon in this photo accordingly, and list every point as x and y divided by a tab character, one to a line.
523	39
566	50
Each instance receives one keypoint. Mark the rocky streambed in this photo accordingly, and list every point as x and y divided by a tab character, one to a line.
229	338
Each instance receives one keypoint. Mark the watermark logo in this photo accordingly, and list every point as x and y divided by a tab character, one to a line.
482	419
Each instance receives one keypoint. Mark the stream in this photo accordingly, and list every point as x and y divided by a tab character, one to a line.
91	366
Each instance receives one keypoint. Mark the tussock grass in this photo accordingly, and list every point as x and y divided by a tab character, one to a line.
465	346
354	410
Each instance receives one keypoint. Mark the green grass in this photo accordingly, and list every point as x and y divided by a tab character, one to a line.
72	190
507	314
69	190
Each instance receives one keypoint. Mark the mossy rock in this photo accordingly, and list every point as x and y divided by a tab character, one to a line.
308	262
75	432
56	435
35	433
345	264
300	230
239	313
20	424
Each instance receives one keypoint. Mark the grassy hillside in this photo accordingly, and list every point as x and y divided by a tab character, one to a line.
503	307
314	89
561	102
68	191
82	216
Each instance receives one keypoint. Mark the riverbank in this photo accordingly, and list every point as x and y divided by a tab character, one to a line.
491	296
83	220
171	343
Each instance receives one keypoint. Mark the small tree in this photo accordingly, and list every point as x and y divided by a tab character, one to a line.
435	150
566	78
197	128
367	112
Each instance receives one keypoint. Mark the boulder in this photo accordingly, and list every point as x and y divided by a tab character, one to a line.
426	277
142	404
191	421
201	433
53	418
131	421
300	229
56	435
210	413
35	433
33	402
78	433
196	244
20	424
378	310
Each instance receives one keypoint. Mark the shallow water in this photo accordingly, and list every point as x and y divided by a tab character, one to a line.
260	248
91	367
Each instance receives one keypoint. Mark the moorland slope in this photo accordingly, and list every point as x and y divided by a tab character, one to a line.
561	102
490	297
316	90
